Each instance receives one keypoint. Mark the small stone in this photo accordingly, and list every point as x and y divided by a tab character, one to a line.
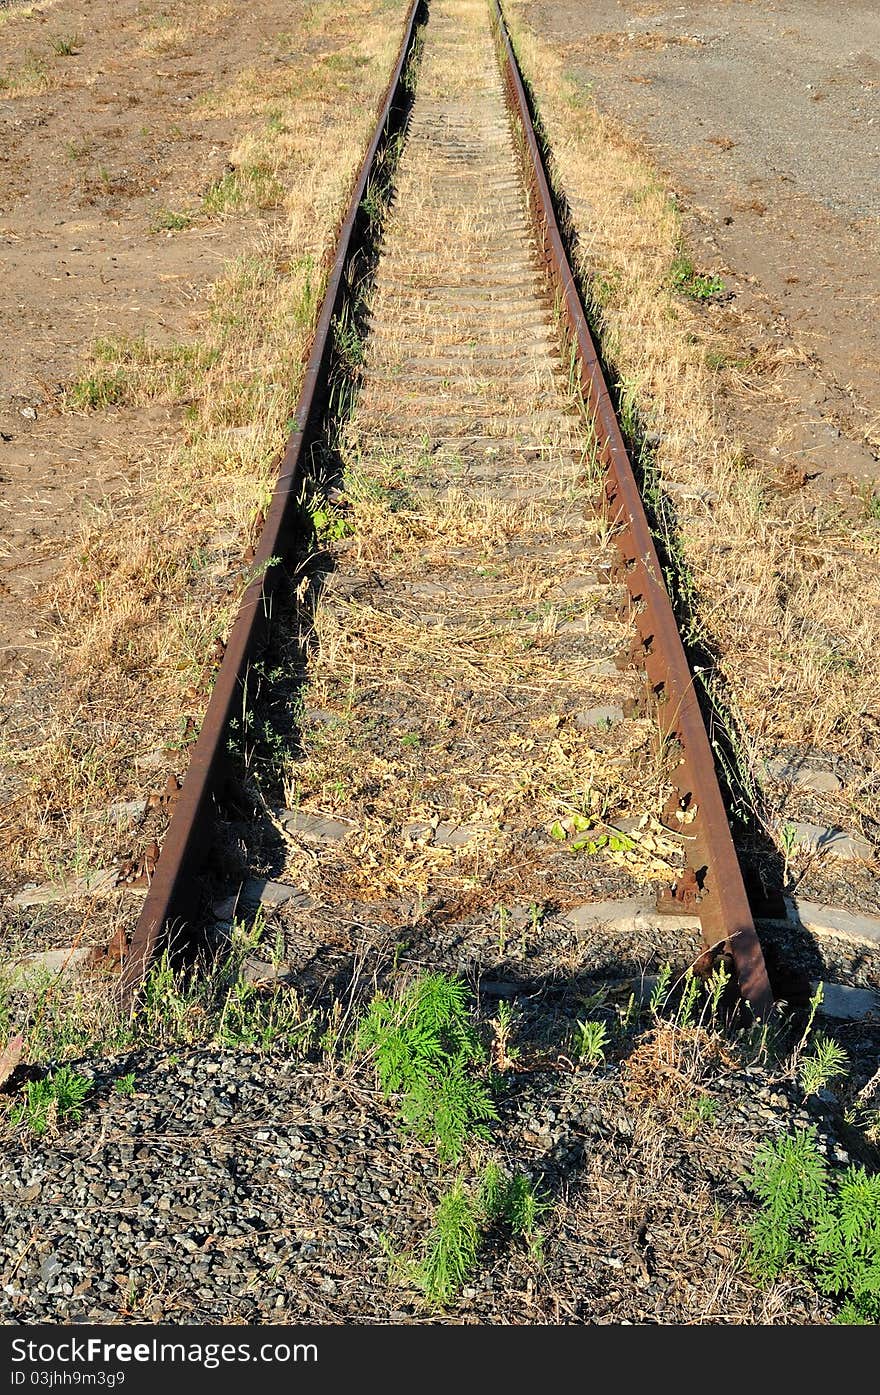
689	491
849	847
99	883
50	1268
315	828
790	771
820	919
130	809
846	1004
417	830
452	835
29	413
70	961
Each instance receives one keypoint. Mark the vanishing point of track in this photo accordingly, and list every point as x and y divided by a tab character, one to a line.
477	337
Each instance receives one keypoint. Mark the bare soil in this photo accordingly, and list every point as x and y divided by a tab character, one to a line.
765	120
86	168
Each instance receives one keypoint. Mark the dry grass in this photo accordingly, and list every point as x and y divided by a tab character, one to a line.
35	74
14	10
154	579
447	692
178	26
780	582
504	770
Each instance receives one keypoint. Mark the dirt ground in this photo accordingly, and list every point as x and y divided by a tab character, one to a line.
766	122
151	152
104	139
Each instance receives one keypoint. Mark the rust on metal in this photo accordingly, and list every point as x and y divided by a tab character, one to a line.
714	886
173	894
723	907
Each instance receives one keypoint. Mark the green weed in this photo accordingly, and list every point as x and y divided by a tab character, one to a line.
262	1018
252	186
513	1202
65	45
426	1050
703	1110
870	497
828	1062
684	277
58	1099
822	1225
167	220
463	1221
590	1041
124	371
450	1251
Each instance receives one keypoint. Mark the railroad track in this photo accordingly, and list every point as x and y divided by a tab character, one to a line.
487	576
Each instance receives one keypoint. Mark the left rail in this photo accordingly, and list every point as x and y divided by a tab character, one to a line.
174	892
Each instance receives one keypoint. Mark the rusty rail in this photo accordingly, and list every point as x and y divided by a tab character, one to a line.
173	893
715	878
720	895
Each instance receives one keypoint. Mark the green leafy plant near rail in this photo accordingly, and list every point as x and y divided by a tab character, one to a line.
820	1224
426	1050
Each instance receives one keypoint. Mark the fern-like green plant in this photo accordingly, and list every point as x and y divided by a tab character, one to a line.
789	1178
426	1049
827	1062
449	1104
513	1202
464	1218
451	1246
56	1100
824	1226
660	991
688	1002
